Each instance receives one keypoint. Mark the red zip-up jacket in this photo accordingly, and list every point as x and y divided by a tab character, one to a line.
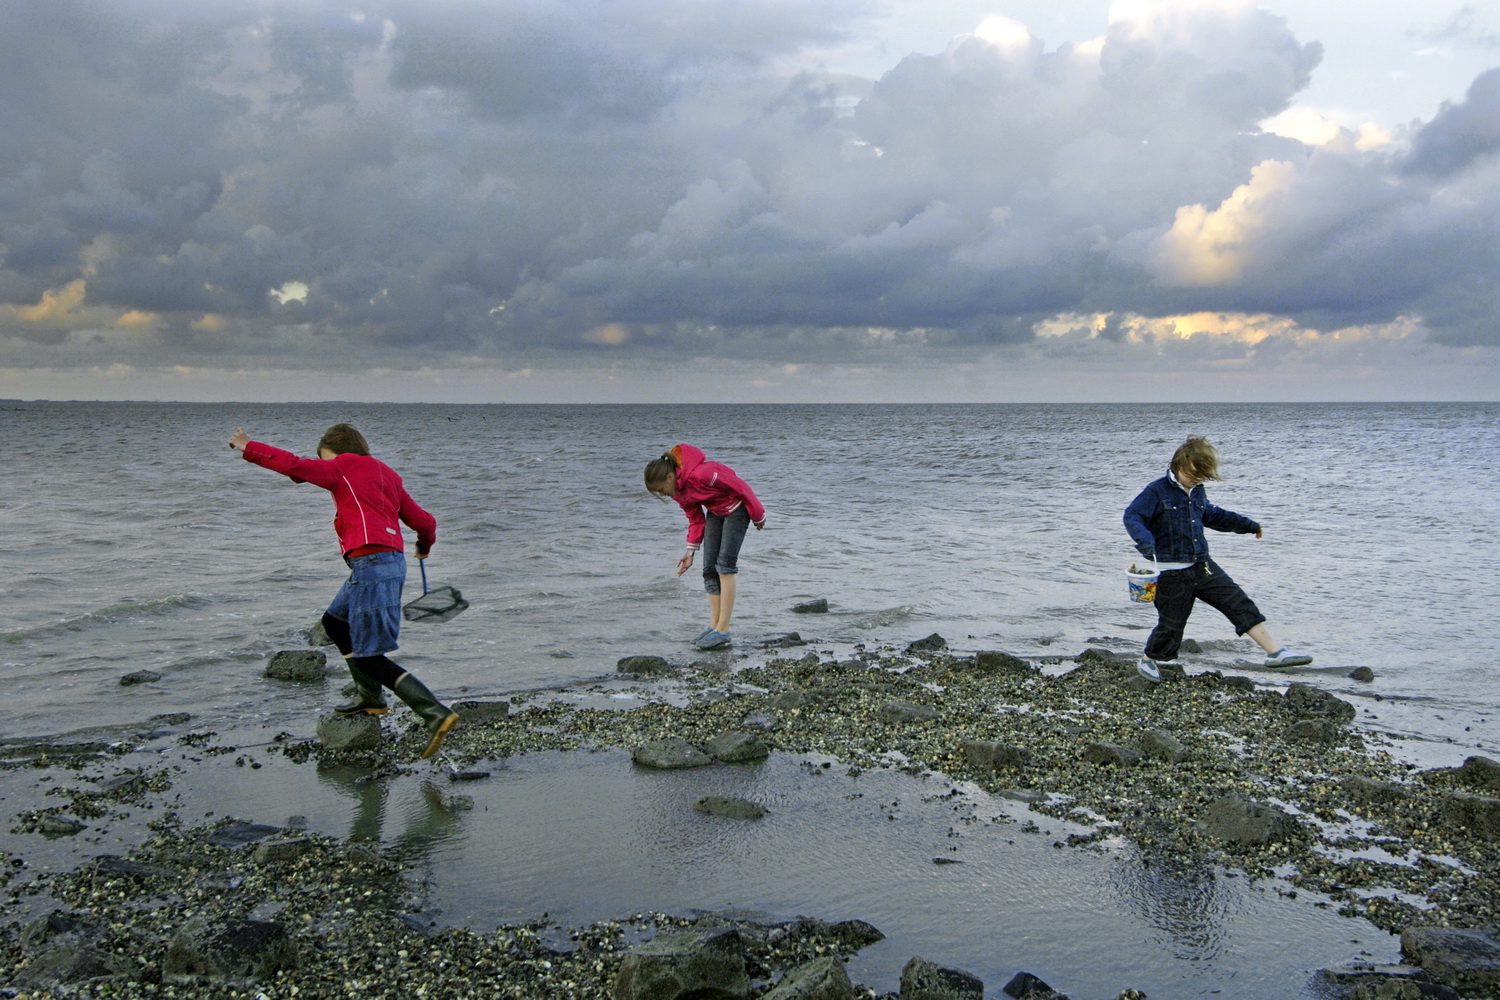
370	502
712	485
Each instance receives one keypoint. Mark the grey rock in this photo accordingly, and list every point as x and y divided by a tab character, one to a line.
1025	986
924	980
672	753
761	720
1162	745
1362	674
349	732
1478	815
902	712
821	979
1402	989
59	826
110	864
481	711
995	662
1467	960
1478	773
685	965
1030	796
140	677
1242	822
851	934
282	849
1310	702
787	701
229	949
988	757
789	641
238	833
718	805
930	644
654	666
304	666
1190	646
1368	790
1112	754
1315	730
817	607
318	635
737	748
62	950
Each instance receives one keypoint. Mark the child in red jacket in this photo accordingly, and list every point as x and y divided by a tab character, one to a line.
720	508
365	617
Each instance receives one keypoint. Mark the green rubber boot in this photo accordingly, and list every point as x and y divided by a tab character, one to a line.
437	717
368	699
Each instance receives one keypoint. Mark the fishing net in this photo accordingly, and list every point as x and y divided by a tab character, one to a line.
437	605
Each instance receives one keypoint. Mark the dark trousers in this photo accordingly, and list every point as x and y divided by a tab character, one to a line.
722	538
1177	589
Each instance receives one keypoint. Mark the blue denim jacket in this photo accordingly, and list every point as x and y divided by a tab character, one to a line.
1167	524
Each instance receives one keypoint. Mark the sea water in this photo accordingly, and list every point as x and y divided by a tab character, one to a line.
135	539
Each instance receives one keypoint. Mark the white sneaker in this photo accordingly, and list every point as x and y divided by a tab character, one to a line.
1283	658
1147	669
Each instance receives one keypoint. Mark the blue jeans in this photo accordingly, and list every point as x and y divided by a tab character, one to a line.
370	601
722	538
1177	589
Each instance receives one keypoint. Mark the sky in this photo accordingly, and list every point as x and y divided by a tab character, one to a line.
750	200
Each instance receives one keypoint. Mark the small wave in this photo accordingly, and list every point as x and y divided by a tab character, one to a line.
109	615
880	619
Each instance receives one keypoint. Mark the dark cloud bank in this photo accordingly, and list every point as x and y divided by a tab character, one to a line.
589	175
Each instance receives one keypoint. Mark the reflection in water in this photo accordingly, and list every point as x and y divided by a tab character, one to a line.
1183	898
430	816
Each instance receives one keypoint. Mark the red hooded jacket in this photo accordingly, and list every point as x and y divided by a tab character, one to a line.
370	502
712	485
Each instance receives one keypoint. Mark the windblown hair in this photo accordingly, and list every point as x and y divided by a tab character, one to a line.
343	439
660	470
1198	458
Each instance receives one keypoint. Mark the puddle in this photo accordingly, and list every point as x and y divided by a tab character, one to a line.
583	837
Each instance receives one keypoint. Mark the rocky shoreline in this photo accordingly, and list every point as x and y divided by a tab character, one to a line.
1203	769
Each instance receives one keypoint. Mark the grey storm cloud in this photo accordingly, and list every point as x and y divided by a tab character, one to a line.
484	177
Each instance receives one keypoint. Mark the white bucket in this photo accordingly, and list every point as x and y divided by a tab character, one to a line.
1142	585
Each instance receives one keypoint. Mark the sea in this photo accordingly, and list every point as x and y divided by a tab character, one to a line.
136	539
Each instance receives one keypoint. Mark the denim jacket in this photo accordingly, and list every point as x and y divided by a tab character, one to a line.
1166	522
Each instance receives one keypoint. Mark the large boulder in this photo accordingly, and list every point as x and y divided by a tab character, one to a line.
671	753
1476	815
229	949
686	965
924	980
349	732
1468	960
988	757
653	666
1242	822
1308	702
821	979
737	748
995	662
63	950
304	666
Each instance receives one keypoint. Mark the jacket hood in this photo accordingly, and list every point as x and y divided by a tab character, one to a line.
688	457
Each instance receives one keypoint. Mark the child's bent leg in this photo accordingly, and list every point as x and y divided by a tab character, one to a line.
727	564
1262	637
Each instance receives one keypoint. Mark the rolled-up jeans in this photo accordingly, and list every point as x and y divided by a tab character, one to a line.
1177	589
722	538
